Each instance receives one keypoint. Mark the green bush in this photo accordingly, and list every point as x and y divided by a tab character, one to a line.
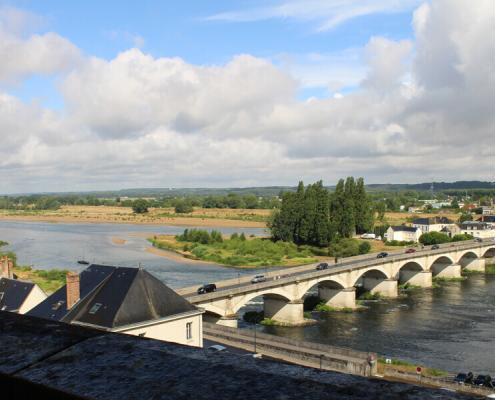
461	237
433	238
399	243
364	248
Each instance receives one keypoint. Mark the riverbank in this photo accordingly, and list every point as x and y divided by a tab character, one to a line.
48	280
237	251
228	218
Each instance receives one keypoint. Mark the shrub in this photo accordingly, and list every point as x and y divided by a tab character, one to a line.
140	206
433	238
364	248
183	207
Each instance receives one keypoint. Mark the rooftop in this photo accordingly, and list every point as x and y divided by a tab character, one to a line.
113	297
13	293
42	358
403	228
432	221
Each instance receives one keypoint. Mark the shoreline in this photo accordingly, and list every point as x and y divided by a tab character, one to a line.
180	221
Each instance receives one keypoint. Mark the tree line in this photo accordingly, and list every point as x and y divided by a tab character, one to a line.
312	215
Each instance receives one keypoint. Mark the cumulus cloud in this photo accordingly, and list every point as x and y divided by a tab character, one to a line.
21	56
423	111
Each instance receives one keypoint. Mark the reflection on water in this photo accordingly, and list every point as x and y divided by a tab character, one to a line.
451	327
48	245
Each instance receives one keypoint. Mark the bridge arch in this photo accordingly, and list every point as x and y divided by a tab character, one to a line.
444	266
468	258
409	272
275	294
376	280
374	273
489	253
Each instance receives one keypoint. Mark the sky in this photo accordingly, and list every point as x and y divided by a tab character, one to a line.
119	94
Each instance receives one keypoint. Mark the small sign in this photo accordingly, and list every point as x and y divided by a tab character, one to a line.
418	370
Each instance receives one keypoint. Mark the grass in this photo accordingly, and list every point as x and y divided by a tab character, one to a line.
48	280
490	269
370	296
409	367
322	307
269	322
440	279
253	252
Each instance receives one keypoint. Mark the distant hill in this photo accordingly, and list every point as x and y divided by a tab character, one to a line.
267	191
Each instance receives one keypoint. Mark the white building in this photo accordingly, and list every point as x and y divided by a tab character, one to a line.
127	300
478	229
15	295
403	233
435	224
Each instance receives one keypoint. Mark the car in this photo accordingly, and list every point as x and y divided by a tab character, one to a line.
479	240
258	279
480	380
435	247
321	266
460	378
208	288
410	251
382	255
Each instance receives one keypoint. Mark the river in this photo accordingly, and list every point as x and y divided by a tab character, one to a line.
451	327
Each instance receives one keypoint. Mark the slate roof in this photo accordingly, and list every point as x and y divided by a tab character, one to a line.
55	306
432	221
487	218
13	293
119	296
403	228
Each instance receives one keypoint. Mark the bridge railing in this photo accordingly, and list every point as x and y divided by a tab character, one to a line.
333	270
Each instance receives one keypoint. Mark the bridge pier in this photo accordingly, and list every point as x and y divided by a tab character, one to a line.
339	298
228	320
386	287
476	265
284	312
448	271
421	278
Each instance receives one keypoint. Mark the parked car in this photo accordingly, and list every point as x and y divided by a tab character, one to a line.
382	255
479	240
435	247
410	251
258	279
209	287
321	266
480	380
460	378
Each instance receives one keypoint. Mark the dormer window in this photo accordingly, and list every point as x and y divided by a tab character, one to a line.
95	308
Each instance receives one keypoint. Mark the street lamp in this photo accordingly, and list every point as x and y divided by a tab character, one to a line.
255	324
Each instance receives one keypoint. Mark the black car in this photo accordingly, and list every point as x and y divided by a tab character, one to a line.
435	247
321	266
480	380
382	255
209	287
479	240
460	378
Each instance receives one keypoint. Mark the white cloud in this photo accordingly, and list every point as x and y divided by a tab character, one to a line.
22	56
327	13
423	111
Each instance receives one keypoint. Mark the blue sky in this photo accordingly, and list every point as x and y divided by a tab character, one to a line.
116	94
185	29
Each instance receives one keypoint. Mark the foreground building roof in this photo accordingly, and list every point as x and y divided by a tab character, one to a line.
112	297
13	293
48	359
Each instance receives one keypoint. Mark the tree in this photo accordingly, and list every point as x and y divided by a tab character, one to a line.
140	206
433	238
348	227
183	207
362	208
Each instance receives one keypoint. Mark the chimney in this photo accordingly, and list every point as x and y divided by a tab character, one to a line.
72	286
7	268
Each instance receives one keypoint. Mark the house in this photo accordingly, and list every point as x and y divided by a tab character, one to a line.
19	296
435	224
486	210
478	229
487	218
451	230
415	209
126	300
403	233
15	295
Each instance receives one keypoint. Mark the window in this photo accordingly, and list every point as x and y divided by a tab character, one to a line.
1	295
189	330
95	308
57	305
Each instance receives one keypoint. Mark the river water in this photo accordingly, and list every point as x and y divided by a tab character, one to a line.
451	327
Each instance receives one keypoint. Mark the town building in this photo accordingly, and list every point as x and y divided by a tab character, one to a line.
15	295
451	230
485	210
487	218
126	300
434	224
403	233
19	296
478	229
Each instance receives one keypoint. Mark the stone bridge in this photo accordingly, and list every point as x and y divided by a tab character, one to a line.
284	291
